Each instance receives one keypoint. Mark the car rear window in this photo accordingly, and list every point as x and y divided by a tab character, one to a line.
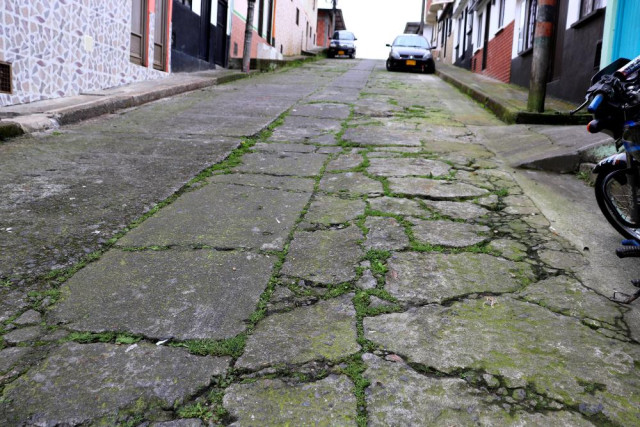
411	41
343	36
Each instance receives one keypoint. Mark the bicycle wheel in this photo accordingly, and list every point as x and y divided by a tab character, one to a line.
614	197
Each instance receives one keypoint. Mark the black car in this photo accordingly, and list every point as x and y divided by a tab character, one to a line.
411	52
342	43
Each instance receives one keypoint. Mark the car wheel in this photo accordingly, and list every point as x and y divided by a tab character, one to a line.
352	55
430	69
330	55
389	67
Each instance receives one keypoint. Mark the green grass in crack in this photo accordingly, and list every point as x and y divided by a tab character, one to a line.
362	167
378	259
503	192
104	337
413	112
233	347
39	296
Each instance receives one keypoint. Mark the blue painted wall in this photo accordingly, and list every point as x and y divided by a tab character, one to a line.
626	39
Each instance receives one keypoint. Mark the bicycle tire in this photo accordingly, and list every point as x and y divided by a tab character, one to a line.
613	194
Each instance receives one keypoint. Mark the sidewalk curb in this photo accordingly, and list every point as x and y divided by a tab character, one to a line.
23	124
513	115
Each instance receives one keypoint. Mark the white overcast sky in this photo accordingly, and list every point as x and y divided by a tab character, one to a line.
376	22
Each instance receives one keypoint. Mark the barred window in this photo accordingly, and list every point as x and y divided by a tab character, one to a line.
589	6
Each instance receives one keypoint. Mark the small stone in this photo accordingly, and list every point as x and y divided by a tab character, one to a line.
519	394
55	336
590	409
24	335
367	281
375	302
490	380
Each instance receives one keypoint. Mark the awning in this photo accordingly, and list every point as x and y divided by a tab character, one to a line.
436	5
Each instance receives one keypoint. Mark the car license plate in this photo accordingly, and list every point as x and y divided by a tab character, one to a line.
411	62
341	52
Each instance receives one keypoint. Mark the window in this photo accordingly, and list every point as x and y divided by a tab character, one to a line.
589	6
479	35
297	16
138	23
501	5
527	24
5	77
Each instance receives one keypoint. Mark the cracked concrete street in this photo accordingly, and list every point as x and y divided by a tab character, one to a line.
331	244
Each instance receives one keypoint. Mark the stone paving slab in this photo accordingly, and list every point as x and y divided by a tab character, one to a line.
569	297
421	278
83	384
449	233
10	356
302	129
398	206
434	189
509	249
282	164
399	395
223	216
457	210
346	96
265	181
324	256
323	331
329	210
385	233
165	294
322	111
345	162
64	196
350	183
375	136
408	167
525	346
327	402
276	147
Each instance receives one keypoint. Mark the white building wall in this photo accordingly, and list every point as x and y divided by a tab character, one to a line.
61	49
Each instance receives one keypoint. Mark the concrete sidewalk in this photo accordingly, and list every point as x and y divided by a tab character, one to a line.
552	141
507	101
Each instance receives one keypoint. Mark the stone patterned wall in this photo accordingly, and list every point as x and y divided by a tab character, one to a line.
65	47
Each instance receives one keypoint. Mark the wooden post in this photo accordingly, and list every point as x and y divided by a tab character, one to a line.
542	39
246	54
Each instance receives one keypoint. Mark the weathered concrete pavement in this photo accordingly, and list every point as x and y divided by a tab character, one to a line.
368	260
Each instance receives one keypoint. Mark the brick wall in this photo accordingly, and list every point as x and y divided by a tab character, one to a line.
498	56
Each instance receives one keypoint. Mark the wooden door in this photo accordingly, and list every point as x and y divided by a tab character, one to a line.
160	36
138	19
221	34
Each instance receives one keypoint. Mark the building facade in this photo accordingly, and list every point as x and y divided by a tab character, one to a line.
495	38
280	28
55	48
200	34
328	22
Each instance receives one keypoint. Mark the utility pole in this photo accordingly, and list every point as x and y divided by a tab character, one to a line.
543	36
246	54
421	29
333	16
